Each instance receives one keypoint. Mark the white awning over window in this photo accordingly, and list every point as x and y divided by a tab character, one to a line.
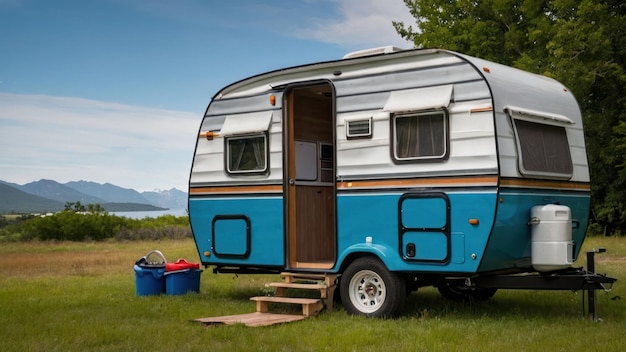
246	123
418	99
530	115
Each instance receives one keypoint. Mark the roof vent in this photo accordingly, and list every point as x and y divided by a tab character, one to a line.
373	51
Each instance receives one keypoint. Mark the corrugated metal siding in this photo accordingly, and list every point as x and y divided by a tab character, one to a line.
519	88
472	145
362	90
426	77
208	164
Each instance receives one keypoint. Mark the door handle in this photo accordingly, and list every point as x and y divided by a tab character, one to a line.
292	181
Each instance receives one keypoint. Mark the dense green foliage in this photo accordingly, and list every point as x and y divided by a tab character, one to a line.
79	223
581	43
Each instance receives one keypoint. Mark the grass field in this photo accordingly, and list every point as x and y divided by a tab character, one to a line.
81	296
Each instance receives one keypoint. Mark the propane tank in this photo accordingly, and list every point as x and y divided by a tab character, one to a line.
552	247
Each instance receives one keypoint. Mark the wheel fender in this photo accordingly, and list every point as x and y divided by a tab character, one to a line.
385	253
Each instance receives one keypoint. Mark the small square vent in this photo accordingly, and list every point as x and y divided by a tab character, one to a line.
359	128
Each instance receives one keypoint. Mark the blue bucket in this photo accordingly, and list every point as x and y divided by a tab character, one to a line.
180	282
149	281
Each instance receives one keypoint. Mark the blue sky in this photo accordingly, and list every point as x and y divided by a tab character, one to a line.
114	90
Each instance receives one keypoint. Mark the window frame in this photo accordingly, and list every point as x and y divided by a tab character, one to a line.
264	171
421	159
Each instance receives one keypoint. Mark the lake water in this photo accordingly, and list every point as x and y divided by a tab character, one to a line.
150	214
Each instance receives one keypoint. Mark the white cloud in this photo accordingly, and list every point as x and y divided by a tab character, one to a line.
362	23
68	139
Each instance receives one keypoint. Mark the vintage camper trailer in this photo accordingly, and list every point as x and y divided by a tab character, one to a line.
395	169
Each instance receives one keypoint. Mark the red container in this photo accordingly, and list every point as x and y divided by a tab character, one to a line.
181	264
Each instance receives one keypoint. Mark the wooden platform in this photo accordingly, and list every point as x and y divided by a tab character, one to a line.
323	283
251	319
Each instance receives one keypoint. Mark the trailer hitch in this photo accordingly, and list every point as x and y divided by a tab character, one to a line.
574	279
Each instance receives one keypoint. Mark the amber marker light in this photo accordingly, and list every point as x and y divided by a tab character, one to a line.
473	221
272	99
486	69
209	135
207	254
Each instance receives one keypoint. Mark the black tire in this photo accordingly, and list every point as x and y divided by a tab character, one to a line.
368	288
462	293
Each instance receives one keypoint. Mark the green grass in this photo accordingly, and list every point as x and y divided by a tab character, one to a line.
81	296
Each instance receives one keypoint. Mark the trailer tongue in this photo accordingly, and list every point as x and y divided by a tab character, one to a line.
569	279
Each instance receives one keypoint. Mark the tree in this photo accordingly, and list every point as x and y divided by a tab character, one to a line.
581	43
96	209
75	207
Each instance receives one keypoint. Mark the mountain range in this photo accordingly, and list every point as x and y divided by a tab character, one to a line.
49	196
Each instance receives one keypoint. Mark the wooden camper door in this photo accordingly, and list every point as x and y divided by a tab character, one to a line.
309	176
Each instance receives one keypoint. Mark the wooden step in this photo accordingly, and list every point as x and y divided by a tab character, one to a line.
326	292
328	279
310	306
323	282
303	286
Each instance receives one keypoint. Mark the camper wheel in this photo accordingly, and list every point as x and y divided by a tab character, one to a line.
461	293
369	289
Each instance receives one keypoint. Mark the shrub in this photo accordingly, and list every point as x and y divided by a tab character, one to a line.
69	225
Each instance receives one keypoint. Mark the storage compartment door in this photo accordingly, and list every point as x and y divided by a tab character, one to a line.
424	220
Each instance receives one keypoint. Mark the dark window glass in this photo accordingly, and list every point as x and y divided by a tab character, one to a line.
544	149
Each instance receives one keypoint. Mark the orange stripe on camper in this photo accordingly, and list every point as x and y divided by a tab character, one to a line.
421	182
236	189
548	184
476	181
346	185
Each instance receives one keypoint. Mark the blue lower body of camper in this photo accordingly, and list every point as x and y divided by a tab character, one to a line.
458	231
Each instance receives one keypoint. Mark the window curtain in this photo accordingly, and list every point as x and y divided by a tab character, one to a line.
407	131
420	136
259	153
247	154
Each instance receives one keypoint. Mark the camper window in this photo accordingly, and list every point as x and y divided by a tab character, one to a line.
246	154
420	136
543	149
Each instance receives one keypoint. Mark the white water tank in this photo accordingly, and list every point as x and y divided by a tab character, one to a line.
552	247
